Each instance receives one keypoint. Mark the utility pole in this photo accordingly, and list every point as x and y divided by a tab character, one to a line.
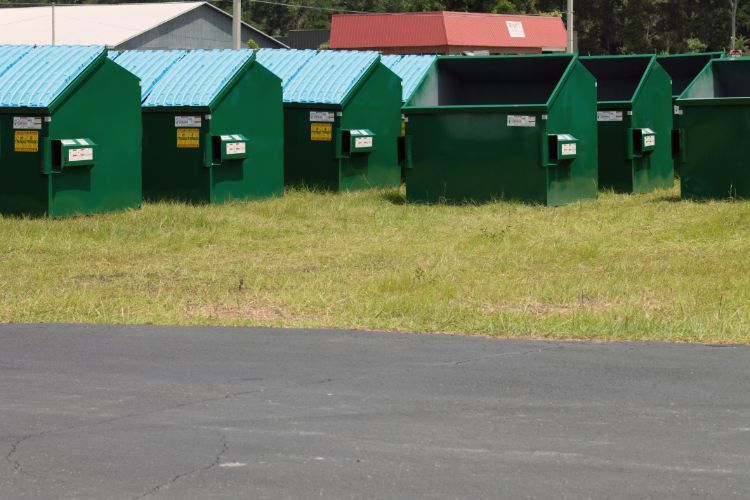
236	26
734	4
571	32
53	23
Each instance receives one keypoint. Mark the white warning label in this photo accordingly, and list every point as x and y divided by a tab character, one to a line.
568	149
322	116
649	141
235	148
521	121
363	142
609	116
80	154
187	121
27	122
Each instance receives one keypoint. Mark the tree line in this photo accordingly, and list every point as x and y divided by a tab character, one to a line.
603	26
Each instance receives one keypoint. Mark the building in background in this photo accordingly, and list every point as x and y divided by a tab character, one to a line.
305	39
448	33
186	25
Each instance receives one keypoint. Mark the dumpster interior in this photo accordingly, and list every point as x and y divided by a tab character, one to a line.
617	77
491	81
726	79
683	69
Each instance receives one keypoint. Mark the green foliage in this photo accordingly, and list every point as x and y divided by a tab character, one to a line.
253	44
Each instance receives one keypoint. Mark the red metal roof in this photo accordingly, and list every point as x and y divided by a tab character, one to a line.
427	29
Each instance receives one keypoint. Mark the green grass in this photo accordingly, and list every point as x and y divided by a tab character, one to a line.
645	267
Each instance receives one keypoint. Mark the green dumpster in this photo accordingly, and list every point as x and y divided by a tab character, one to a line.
682	68
342	118
635	123
510	127
212	125
715	127
70	130
412	69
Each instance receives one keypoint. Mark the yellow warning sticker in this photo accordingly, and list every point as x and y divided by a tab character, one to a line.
27	141
188	138
321	132
403	127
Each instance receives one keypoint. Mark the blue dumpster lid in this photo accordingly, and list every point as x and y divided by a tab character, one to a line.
11	54
197	79
23	85
411	69
284	63
329	77
112	54
149	65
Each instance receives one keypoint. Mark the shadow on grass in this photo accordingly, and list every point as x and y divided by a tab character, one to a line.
394	196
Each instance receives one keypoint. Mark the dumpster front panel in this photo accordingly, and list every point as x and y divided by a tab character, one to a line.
106	110
376	106
475	157
615	168
24	189
254	110
310	142
574	112
652	112
715	164
174	146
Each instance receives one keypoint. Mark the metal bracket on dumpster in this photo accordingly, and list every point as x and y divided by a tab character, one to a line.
357	141
560	148
228	147
641	141
66	153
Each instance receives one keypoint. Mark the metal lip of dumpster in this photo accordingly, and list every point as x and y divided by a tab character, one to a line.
545	97
714	69
411	68
22	86
520	128
71	128
683	68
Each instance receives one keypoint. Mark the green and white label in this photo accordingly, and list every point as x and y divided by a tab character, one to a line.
187	121
568	149
322	116
27	122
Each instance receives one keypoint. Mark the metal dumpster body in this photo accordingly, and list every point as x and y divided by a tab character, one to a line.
509	127
70	131
635	123
213	125
715	127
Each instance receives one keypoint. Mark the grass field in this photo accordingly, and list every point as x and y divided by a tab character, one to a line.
646	267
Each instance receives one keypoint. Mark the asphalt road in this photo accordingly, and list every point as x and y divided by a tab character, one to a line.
99	412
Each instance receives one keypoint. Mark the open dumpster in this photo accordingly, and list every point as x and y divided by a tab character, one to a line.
503	127
70	132
682	68
412	69
212	125
715	130
635	123
342	118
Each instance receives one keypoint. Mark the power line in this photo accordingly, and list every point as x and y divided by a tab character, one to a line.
300	6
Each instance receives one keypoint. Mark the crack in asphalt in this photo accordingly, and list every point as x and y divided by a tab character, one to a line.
215	462
503	355
17	468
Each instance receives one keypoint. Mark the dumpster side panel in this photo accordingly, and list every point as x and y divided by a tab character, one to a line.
24	190
462	156
653	109
375	106
253	108
309	162
574	112
171	172
715	152
104	107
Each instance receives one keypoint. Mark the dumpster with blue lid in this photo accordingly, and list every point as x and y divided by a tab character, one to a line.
212	122
330	98
70	132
